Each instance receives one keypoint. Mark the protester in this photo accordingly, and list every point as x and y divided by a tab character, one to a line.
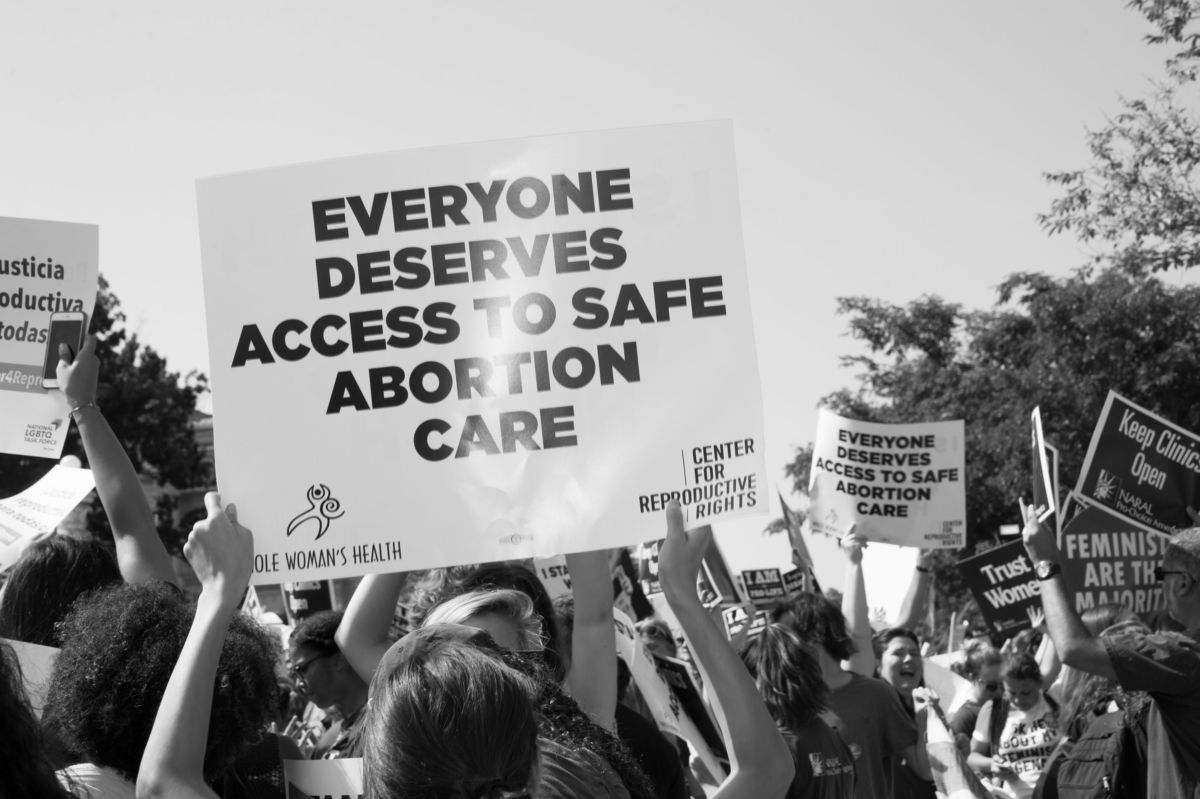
657	637
788	676
52	573
1014	735
119	649
761	767
1162	664
981	665
323	675
901	666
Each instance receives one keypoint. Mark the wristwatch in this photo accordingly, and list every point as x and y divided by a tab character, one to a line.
1045	569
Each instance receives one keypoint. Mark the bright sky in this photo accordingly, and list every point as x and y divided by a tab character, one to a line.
885	148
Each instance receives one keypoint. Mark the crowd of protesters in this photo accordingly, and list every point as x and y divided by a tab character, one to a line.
497	692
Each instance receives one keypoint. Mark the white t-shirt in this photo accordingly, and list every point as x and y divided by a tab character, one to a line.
89	781
1025	744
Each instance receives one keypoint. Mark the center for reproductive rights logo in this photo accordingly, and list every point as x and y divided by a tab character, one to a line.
322	509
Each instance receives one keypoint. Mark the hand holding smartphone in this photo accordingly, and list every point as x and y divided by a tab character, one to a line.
65	328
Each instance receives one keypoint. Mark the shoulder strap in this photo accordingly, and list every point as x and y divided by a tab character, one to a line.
996	729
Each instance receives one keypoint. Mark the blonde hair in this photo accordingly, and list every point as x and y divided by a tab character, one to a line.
505	602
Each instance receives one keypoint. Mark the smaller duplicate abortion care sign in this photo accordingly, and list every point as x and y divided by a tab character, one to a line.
481	352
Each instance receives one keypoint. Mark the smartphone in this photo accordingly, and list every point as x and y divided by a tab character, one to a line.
65	328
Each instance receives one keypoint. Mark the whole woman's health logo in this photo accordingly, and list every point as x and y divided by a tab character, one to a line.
322	509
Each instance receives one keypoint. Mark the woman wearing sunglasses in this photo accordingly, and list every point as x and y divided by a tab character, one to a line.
982	667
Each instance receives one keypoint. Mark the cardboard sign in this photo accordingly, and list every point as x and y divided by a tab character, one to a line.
1141	467
1108	559
899	483
764	586
45	268
1004	586
37	666
735	619
487	341
324	779
40	508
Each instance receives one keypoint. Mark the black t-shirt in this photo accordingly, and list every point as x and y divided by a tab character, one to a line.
963	721
653	751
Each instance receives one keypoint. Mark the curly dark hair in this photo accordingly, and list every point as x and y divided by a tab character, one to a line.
27	770
119	648
816	620
46	580
317	631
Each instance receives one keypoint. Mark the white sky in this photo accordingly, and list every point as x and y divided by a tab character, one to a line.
885	148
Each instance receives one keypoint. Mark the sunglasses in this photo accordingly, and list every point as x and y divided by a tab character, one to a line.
1160	573
298	669
991	687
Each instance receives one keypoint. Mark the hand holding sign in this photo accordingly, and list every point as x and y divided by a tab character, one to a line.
221	552
1039	540
77	374
681	555
853	544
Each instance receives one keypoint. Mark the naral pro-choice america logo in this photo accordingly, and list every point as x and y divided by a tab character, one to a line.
322	509
1108	486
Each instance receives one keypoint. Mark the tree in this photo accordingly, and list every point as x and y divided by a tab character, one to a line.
149	409
1140	199
1060	344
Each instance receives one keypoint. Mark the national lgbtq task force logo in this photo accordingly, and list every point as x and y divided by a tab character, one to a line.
322	509
1108	486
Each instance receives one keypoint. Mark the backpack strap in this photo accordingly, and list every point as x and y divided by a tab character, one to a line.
996	729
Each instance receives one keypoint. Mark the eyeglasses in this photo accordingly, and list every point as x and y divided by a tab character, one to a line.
1160	573
298	669
991	687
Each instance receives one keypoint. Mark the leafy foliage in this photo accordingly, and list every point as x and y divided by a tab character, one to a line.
149	408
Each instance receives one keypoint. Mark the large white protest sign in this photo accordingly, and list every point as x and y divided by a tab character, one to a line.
40	508
481	352
45	268
899	483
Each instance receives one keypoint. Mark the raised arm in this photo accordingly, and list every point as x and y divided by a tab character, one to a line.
1076	647
363	633
761	765
1047	656
854	606
916	601
141	555
222	554
593	677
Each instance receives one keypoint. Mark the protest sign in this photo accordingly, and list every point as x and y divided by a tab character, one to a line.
952	690
483	349
45	268
664	706
40	508
683	685
304	598
37	666
898	483
555	576
1141	467
801	557
796	581
324	779
1052	454
763	586
1109	559
1044	493
736	618
1004	586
